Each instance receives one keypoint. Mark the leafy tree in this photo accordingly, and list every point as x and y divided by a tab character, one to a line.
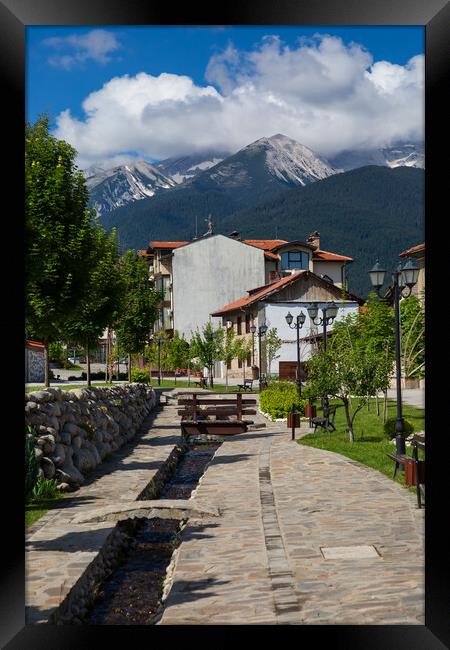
347	369
229	350
103	293
243	349
139	306
412	319
271	344
207	346
178	353
58	235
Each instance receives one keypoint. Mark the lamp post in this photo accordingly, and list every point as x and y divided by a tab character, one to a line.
329	313
262	329
402	277
299	322
159	341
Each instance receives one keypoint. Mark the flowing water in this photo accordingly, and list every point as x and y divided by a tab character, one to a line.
132	594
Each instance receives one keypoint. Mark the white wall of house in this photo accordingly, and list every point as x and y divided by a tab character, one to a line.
332	269
210	273
275	316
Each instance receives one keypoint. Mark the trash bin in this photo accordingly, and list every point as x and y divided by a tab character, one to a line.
297	420
410	472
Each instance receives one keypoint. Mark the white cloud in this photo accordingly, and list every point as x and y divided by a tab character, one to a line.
324	94
95	45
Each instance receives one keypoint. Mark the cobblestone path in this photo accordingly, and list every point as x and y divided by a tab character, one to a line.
261	562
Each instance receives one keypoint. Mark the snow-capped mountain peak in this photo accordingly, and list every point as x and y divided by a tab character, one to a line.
115	187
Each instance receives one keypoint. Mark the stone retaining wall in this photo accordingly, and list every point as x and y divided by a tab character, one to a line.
75	431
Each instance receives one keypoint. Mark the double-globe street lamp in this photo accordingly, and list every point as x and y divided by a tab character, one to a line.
329	313
299	322
404	276
262	329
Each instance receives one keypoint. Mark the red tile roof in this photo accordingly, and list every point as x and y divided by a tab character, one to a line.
265	244
327	256
34	344
167	244
266	290
415	249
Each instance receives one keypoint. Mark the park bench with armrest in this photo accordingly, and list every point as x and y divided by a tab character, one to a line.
327	420
247	385
197	410
414	467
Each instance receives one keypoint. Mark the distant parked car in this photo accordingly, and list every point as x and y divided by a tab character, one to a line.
74	359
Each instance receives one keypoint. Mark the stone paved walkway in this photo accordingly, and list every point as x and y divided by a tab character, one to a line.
58	550
260	561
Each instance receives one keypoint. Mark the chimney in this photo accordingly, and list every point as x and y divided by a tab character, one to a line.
234	234
314	239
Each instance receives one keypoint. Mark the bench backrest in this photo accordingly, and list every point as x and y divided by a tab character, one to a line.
195	404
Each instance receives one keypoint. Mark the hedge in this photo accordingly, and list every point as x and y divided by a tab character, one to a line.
278	398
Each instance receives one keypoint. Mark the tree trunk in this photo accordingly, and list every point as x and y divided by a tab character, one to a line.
226	375
349	420
46	366
243	367
378	404
211	380
88	366
129	368
385	407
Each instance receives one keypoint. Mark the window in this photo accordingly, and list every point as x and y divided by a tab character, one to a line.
229	365
167	321
247	323
294	260
249	360
239	325
239	363
166	288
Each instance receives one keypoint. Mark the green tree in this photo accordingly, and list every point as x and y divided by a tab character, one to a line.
229	350
58	235
178	353
207	346
412	319
271	344
139	306
347	369
243	350
103	296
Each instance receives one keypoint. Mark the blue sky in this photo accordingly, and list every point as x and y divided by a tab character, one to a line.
243	68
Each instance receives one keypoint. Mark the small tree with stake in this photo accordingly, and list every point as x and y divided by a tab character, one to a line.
229	350
206	345
243	350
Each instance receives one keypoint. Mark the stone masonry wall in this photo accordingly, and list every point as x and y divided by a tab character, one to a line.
74	431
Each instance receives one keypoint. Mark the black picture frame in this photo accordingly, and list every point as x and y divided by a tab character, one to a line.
15	16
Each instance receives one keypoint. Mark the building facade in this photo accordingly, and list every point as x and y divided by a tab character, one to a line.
196	278
269	305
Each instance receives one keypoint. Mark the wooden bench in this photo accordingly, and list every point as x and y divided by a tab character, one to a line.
197	411
247	385
417	477
326	421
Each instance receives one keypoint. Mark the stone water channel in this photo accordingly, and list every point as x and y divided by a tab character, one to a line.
132	594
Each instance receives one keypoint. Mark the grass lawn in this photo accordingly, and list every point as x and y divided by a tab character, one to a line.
182	383
32	389
38	507
370	446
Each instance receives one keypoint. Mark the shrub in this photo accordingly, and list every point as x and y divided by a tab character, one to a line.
278	398
31	464
45	489
140	376
389	428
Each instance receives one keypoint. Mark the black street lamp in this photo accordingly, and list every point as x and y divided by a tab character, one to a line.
300	320
159	341
404	276
262	329
329	313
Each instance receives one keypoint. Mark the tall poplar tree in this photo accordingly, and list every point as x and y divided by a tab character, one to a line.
58	235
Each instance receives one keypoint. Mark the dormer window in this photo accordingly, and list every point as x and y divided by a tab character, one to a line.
294	259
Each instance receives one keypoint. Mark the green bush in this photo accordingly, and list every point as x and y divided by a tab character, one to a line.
140	376
31	464
45	489
389	428
279	397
